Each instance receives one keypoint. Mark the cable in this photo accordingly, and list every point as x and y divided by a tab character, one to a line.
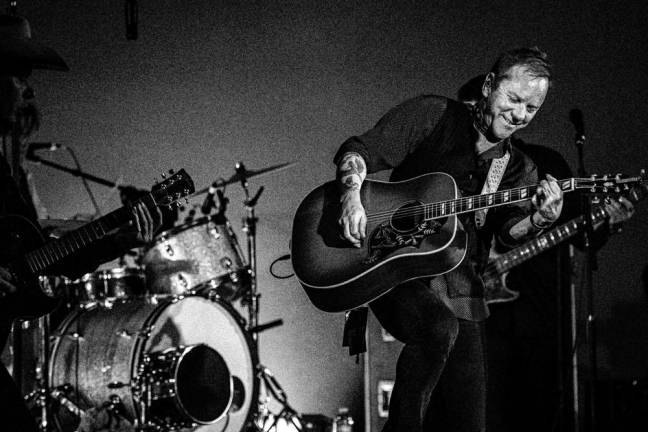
271	268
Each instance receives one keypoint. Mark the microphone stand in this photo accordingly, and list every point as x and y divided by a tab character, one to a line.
590	323
75	172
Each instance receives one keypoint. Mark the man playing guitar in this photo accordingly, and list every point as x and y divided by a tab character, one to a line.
440	320
19	54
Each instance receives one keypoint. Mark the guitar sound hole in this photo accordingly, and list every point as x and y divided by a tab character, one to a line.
408	217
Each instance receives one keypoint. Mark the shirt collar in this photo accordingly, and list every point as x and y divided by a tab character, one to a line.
497	151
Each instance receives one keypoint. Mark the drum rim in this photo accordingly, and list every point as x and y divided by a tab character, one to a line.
113	273
164	235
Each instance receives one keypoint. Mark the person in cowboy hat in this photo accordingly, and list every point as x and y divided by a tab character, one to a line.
19	55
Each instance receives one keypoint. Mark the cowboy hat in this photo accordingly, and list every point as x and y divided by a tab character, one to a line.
16	45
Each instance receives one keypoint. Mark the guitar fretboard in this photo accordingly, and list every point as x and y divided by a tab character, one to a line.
499	198
54	251
508	260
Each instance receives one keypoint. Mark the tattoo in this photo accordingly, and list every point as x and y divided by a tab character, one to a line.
351	171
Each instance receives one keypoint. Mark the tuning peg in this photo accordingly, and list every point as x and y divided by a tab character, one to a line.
171	171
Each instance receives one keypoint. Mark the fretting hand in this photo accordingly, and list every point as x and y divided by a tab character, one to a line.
548	201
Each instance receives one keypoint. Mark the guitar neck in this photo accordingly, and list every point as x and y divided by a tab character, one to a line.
54	251
544	242
477	202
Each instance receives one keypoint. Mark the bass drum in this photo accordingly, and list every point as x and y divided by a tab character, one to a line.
98	353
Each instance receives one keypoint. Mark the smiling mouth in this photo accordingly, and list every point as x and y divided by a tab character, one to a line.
510	124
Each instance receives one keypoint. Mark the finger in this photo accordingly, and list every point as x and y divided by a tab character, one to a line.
148	222
553	185
136	221
345	230
363	227
627	204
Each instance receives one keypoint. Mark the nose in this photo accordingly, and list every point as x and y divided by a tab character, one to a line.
517	114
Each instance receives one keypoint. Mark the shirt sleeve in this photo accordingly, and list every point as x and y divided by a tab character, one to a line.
397	134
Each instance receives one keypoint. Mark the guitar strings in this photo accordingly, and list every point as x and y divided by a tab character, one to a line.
420	209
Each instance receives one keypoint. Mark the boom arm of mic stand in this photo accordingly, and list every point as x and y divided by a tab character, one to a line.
74	172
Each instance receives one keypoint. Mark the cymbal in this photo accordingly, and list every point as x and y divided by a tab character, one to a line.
245	175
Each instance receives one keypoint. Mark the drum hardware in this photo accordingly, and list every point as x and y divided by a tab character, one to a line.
104	288
267	421
59	395
144	333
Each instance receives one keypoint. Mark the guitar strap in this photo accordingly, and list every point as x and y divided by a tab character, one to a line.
493	180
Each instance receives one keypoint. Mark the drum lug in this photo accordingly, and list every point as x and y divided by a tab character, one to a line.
144	333
183	281
213	230
75	336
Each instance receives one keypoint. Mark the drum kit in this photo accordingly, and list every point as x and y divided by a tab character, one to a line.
160	345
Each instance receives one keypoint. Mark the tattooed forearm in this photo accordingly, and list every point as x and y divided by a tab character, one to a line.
351	171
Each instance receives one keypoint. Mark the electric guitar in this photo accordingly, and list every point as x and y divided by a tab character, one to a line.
412	232
26	256
496	289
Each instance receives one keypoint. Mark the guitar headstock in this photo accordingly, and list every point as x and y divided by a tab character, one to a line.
612	184
170	190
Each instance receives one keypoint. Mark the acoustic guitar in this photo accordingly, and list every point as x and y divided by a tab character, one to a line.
412	232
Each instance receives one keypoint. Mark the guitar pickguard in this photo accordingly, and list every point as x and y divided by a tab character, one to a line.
385	239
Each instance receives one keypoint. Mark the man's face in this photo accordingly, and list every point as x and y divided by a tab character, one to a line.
513	104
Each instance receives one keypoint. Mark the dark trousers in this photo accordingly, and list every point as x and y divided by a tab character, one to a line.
440	375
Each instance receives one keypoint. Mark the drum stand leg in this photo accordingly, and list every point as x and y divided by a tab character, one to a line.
41	396
267	421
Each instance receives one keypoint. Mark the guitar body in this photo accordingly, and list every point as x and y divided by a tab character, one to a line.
18	236
400	245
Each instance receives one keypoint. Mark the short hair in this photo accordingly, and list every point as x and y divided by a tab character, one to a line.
532	59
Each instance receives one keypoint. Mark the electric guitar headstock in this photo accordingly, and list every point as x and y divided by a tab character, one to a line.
168	191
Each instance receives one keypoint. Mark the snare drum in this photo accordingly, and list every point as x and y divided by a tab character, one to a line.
106	287
192	354
194	258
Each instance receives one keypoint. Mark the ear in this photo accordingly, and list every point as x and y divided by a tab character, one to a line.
487	87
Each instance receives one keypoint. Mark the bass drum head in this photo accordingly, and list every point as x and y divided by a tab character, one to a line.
112	342
196	320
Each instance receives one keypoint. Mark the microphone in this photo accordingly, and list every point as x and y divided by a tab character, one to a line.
576	117
33	147
209	203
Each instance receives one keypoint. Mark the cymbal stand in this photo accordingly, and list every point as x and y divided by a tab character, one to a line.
249	228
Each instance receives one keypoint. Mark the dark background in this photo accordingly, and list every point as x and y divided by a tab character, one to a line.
209	83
